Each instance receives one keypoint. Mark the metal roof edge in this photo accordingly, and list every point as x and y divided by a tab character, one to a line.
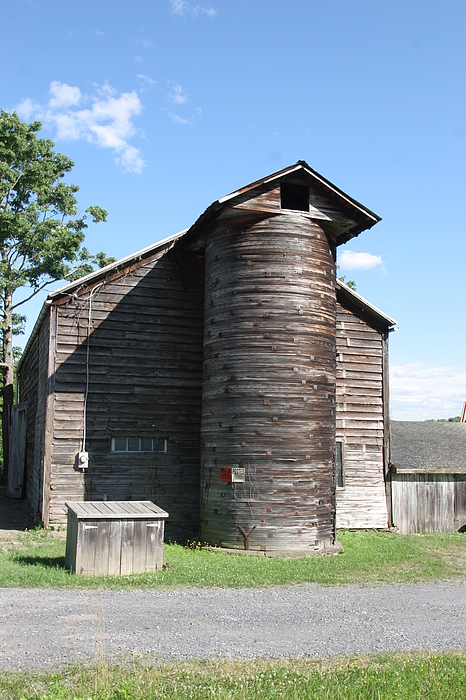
102	271
400	469
366	304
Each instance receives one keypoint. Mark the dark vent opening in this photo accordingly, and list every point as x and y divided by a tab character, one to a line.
294	197
339	473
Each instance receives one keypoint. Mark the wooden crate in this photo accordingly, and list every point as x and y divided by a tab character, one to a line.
114	537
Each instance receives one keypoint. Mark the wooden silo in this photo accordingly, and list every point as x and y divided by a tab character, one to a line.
268	397
269	384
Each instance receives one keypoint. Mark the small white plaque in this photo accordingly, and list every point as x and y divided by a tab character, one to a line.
238	474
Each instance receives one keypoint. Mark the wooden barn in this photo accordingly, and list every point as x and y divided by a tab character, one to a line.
223	373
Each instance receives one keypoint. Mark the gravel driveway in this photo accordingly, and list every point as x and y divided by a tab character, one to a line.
46	627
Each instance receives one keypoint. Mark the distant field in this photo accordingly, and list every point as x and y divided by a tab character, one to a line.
411	676
36	559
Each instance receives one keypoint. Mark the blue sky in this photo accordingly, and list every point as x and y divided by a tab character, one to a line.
167	105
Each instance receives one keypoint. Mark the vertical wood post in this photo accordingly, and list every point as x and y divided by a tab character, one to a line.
386	427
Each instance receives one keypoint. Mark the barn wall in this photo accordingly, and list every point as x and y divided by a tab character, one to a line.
145	379
33	389
361	503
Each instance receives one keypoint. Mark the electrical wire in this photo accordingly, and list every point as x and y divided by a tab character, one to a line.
89	322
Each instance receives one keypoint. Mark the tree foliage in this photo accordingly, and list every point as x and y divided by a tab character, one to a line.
41	232
349	283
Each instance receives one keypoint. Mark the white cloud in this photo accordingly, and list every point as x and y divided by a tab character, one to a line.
107	122
182	7
177	95
418	392
63	95
146	82
349	260
179	120
138	59
99	33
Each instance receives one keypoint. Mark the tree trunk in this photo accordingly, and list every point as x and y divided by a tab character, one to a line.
7	392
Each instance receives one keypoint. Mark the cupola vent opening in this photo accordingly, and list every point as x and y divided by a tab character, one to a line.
294	196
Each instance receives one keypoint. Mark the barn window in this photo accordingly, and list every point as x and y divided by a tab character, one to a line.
339	465
134	444
294	197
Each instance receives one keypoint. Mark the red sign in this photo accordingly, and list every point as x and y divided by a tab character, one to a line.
225	474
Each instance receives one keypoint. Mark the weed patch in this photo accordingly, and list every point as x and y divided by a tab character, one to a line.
409	676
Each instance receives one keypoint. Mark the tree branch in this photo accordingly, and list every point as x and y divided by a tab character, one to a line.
36	291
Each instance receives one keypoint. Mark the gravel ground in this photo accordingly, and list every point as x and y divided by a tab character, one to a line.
41	628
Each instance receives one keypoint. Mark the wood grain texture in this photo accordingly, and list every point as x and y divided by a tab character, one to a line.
269	385
427	503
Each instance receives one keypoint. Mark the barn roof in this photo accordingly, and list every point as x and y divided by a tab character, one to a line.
427	447
364	218
355	302
359	217
300	167
314	177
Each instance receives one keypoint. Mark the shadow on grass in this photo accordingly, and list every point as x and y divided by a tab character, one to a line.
50	562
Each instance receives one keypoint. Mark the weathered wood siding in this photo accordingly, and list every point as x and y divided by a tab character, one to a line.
269	384
427	503
145	380
361	503
33	390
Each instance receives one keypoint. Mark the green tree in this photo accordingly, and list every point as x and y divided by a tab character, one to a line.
350	283
41	232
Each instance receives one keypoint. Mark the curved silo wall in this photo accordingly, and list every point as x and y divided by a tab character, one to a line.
269	385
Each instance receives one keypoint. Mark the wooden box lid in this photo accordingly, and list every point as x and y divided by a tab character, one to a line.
116	510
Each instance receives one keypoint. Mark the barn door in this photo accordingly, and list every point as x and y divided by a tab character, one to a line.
15	486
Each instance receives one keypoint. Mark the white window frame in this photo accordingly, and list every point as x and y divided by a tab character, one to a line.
140	448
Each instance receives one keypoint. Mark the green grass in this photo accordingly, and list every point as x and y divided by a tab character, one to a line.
37	558
400	676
